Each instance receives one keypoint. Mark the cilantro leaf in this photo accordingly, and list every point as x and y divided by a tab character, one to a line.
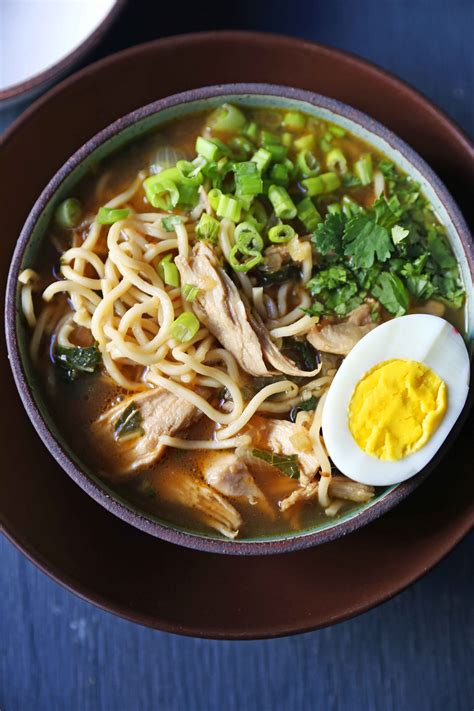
387	212
392	293
286	463
75	361
440	250
449	289
327	238
399	234
129	424
327	279
364	240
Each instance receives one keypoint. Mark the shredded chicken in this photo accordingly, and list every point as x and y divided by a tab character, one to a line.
160	413
340	338
229	317
211	508
221	308
273	355
229	474
339	488
278	436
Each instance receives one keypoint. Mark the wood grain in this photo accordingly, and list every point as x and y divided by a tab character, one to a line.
59	653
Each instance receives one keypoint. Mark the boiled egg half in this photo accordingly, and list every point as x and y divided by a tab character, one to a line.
395	398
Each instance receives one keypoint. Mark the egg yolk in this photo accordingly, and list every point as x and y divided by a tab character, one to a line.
396	407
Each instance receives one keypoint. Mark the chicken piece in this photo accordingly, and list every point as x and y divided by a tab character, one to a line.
228	316
210	507
278	437
273	355
229	474
340	338
220	308
339	488
276	256
154	413
342	488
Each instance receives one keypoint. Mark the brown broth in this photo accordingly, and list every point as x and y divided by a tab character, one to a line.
76	405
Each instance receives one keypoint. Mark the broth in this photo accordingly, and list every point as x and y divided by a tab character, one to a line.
78	404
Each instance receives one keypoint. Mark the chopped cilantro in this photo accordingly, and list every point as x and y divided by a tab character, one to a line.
392	293
394	251
364	240
327	237
399	234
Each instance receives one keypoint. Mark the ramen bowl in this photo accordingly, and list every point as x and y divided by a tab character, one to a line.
108	142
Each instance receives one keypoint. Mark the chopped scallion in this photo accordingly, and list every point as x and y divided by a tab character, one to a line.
228	207
247	179
207	228
281	233
262	158
308	214
170	274
363	169
307	164
337	131
227	118
207	149
68	213
320	184
161	191
294	121
190	292
108	215
251	131
305	143
214	196
185	327
282	203
336	161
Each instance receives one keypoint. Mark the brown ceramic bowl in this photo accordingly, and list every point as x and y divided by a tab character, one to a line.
123	132
100	557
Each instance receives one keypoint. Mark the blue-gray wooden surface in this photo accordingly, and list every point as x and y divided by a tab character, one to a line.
414	653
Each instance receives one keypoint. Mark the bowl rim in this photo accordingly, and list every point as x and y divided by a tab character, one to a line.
13	93
99	493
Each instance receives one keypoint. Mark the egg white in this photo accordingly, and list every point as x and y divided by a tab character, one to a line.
427	339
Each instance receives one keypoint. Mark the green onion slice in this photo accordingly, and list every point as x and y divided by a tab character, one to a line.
227	118
207	228
281	233
190	292
282	203
68	213
245	266
185	327
308	214
307	164
363	169
336	161
228	207
109	215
